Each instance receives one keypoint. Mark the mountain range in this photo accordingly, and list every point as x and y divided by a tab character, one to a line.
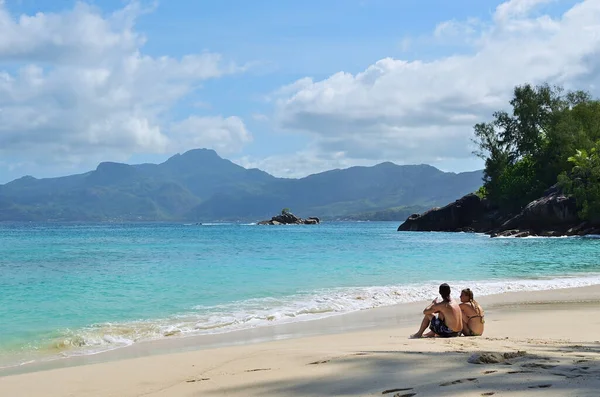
200	186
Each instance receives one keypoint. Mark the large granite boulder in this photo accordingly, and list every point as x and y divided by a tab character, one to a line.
461	215
552	214
288	218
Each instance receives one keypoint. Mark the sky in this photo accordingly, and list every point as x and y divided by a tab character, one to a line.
290	87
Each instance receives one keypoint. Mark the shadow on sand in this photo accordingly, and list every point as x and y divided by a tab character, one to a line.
566	370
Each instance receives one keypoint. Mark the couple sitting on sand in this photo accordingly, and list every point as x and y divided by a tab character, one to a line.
452	319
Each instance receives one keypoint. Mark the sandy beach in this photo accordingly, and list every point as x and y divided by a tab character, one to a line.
535	343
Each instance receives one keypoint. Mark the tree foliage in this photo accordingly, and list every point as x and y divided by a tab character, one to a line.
584	182
526	149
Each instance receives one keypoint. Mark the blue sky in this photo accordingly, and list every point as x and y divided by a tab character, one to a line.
291	87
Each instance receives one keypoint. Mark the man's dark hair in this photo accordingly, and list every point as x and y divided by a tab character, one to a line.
445	291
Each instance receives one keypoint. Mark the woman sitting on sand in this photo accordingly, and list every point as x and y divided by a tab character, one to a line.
472	314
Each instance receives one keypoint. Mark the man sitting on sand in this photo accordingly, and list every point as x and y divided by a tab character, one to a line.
472	314
448	322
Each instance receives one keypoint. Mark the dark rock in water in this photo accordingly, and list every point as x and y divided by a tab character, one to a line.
290	219
287	218
467	214
553	211
553	214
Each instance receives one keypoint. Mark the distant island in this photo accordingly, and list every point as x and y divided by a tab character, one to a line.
542	170
200	186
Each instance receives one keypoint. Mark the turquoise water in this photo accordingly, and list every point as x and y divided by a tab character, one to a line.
81	289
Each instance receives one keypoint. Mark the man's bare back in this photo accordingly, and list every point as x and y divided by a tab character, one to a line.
451	314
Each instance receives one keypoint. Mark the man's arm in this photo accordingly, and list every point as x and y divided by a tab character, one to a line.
434	307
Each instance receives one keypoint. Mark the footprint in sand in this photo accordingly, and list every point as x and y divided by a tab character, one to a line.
455	382
566	375
540	386
258	369
489	372
395	390
319	362
538	365
197	380
489	393
520	372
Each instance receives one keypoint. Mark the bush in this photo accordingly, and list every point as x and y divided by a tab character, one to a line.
583	182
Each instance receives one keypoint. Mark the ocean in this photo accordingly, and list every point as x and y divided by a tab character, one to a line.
79	289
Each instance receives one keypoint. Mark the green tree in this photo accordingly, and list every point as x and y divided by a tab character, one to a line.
577	127
497	156
525	150
583	182
285	211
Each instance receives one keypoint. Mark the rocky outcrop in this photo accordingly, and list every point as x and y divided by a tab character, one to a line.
554	214
467	214
290	219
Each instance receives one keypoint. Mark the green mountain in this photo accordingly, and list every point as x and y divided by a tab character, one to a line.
201	186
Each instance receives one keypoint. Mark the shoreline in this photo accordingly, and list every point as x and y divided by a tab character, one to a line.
531	331
305	325
399	315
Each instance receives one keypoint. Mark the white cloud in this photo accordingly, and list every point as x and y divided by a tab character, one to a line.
455	28
76	87
423	111
225	135
517	8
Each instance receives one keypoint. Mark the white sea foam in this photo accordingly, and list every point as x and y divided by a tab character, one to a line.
270	311
536	237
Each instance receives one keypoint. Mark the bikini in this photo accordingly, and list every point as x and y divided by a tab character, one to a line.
471	333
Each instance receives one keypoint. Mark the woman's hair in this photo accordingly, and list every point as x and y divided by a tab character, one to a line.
469	293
